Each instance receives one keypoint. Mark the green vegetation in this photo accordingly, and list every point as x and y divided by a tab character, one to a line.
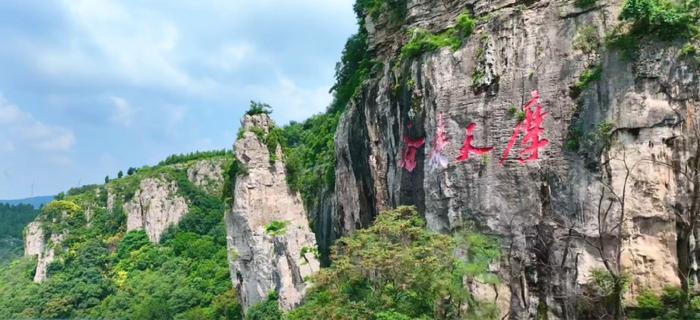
258	108
670	305
397	9
689	50
234	168
396	269
14	219
103	272
664	18
272	139
193	156
276	228
573	141
309	146
478	73
266	310
589	76
422	41
585	4
587	40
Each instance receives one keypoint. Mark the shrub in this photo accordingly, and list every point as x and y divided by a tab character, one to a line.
133	240
626	43
187	157
589	76
663	18
397	9
587	40
258	108
422	41
689	50
649	305
266	310
396	269
276	228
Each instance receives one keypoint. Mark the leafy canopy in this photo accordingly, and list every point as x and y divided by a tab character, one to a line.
396	269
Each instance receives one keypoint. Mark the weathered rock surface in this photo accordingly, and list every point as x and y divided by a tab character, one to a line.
208	175
155	207
35	245
33	239
263	261
547	211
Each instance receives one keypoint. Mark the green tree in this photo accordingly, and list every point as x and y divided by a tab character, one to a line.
396	269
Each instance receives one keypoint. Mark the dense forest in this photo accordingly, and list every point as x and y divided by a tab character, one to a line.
14	218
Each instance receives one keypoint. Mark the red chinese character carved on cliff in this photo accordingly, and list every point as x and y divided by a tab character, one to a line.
468	148
410	150
532	126
437	159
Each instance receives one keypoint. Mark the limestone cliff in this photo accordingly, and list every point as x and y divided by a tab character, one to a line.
271	246
609	183
208	175
35	245
155	207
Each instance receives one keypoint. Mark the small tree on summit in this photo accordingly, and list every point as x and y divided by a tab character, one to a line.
258	108
120	174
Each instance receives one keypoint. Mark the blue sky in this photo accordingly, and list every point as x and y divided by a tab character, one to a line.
91	87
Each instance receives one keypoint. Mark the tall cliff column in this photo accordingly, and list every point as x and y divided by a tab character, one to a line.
271	247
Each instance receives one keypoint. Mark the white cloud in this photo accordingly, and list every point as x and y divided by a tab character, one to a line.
230	57
20	129
123	113
290	101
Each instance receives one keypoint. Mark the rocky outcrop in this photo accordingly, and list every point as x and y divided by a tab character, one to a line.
208	175
271	247
155	207
35	245
612	177
33	239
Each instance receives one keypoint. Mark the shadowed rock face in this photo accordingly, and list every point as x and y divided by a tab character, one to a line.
542	210
155	207
263	260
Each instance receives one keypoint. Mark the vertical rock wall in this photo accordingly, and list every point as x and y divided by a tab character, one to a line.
271	247
546	212
155	207
35	245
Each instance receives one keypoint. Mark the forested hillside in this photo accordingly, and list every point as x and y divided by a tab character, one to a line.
103	271
14	218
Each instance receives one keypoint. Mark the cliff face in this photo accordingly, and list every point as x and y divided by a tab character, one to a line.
610	176
35	244
155	207
271	246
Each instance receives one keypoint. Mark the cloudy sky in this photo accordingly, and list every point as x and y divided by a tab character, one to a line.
91	87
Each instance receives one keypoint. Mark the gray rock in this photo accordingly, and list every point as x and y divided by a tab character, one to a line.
264	261
541	210
155	207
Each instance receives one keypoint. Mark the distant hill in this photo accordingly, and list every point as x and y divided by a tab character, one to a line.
36	202
13	219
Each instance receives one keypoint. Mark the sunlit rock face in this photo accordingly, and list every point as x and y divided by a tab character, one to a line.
208	175
35	244
155	207
546	209
271	247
